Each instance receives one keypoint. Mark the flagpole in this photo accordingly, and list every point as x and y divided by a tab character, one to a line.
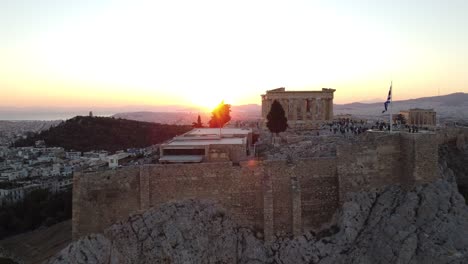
390	108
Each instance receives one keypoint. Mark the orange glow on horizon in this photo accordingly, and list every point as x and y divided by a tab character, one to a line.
166	53
205	103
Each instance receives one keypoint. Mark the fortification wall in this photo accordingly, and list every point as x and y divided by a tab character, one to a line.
237	188
305	193
371	162
451	134
275	196
272	196
380	159
419	159
100	199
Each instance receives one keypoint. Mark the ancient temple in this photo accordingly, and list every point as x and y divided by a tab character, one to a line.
303	109
420	117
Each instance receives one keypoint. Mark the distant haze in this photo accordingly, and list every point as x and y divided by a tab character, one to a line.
42	113
104	53
452	106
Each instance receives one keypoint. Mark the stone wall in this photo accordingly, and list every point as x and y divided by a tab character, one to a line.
235	153
295	197
452	134
305	193
237	188
420	158
273	196
378	159
100	199
370	162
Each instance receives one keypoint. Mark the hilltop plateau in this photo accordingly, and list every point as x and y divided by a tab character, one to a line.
426	224
423	224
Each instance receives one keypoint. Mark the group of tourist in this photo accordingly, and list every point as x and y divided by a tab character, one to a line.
412	129
346	127
381	125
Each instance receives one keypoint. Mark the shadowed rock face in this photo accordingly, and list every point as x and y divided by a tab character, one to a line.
456	158
428	224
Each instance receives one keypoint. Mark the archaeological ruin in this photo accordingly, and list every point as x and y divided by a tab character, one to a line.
303	109
420	117
273	196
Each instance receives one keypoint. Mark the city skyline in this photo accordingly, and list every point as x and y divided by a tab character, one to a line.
107	54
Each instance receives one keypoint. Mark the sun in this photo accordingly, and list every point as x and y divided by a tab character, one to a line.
206	102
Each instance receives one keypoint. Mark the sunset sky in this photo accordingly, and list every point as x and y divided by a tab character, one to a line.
113	53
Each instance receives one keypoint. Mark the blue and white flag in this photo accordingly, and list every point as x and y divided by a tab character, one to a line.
389	99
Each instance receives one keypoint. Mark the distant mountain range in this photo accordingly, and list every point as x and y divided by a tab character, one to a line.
238	112
451	107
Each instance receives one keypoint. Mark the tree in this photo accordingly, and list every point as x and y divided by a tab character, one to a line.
276	119
401	118
197	124
220	115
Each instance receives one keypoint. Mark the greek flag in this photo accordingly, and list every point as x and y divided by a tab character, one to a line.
389	99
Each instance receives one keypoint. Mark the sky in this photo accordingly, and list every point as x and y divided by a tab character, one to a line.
124	53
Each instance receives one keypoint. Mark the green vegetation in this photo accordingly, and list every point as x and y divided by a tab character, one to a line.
85	133
39	208
276	119
220	115
197	124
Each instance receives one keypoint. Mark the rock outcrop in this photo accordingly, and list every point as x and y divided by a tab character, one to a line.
427	224
455	158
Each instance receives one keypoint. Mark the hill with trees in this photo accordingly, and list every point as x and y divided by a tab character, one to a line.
39	208
85	133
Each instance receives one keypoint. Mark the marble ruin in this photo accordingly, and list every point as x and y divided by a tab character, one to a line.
420	117
303	109
275	196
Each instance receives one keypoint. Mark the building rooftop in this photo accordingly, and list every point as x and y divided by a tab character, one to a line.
182	158
205	142
211	136
216	131
422	109
283	90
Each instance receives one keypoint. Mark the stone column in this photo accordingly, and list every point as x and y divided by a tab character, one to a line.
330	108
294	104
285	105
313	108
327	107
304	109
324	109
263	107
319	108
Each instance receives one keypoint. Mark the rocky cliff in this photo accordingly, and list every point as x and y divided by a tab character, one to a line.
426	224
